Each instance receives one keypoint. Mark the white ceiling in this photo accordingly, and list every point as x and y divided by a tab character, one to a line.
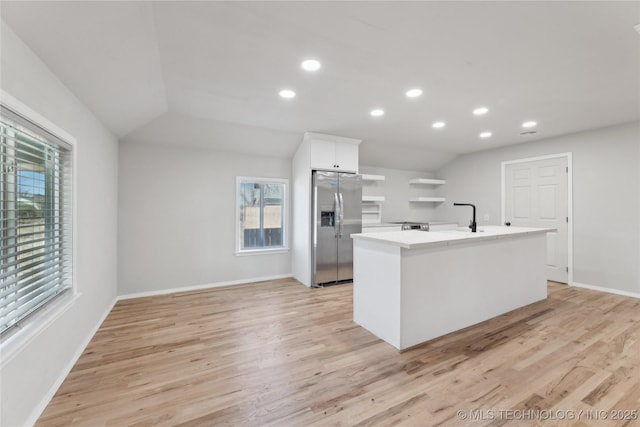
139	66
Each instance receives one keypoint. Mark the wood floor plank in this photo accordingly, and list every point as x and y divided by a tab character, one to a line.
279	354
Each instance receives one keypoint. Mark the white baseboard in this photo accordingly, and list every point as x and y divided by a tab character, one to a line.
200	287
608	290
39	409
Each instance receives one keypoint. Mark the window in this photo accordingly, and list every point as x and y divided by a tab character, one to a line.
261	219
35	218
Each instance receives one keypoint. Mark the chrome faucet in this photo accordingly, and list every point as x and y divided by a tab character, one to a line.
473	226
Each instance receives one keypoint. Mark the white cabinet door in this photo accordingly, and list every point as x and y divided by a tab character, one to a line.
334	156
323	155
347	157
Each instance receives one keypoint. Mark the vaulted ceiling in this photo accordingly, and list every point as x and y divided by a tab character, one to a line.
152	69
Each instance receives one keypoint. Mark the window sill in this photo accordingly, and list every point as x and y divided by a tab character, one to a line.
17	339
263	252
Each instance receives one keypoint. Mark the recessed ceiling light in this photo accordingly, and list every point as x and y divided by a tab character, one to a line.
287	93
413	93
377	112
529	124
637	27
438	125
485	134
480	111
310	65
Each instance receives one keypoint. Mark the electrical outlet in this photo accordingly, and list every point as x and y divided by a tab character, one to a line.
486	217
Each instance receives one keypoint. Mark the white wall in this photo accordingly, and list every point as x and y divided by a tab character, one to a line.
606	198
177	217
397	191
31	375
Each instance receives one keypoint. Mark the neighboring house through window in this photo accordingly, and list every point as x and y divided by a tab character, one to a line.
35	218
261	218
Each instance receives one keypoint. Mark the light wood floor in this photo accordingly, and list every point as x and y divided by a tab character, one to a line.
279	354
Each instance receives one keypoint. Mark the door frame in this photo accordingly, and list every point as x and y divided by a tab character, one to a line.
503	190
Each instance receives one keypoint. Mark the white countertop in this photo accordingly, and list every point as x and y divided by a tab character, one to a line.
399	224
415	239
380	224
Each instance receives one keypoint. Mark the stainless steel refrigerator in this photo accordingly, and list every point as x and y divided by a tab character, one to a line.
337	213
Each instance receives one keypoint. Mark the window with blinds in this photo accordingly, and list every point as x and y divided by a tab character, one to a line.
35	218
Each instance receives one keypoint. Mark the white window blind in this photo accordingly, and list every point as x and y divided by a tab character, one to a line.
35	218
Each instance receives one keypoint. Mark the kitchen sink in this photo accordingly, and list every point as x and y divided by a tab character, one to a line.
466	230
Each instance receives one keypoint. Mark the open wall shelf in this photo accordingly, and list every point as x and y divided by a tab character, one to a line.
373	198
369	177
427	199
429	181
371	213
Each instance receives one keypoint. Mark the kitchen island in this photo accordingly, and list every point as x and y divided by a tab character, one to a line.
412	286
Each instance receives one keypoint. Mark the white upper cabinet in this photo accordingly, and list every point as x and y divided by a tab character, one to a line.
330	154
347	157
323	155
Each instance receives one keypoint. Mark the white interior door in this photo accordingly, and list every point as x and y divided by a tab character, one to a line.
536	195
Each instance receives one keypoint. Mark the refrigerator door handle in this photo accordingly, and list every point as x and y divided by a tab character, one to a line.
341	216
337	214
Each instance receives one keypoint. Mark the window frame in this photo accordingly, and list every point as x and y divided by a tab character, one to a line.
14	340
285	218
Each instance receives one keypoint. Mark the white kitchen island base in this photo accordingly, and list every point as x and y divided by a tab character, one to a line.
410	288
